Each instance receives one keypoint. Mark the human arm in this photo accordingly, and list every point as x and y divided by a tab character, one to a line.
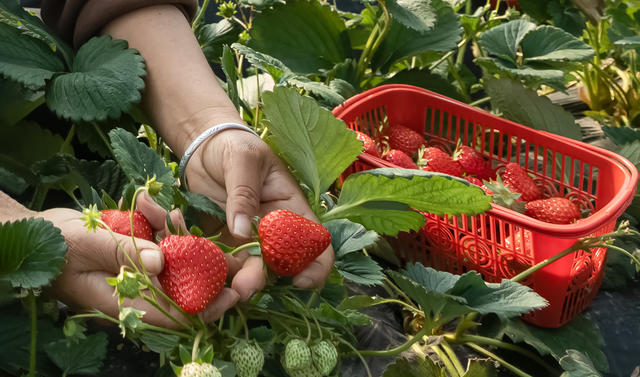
235	168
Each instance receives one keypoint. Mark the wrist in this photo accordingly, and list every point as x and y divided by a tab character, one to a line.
194	125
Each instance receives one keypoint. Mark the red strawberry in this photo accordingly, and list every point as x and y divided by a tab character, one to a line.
435	159
473	163
399	158
291	242
118	221
553	210
517	180
370	146
195	270
405	139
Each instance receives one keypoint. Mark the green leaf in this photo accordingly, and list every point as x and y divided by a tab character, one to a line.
32	252
310	35
506	299
309	138
621	135
139	163
130	321
25	143
414	14
106	79
347	236
532	76
26	60
12	183
31	25
580	334
277	69
204	204
82	357
416	367
402	42
360	269
481	368
629	42
347	317
503	41
159	342
229	68
576	364
426	79
326	95
549	43
212	37
524	106
16	102
357	302
536	9
376	198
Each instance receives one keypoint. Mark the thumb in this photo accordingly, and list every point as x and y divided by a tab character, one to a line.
243	181
110	252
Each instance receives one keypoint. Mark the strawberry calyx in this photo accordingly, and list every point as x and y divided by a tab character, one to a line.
502	196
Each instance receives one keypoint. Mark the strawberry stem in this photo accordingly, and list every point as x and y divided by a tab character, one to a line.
452	356
196	344
399	349
245	246
448	365
155	304
358	354
244	322
502	362
133	237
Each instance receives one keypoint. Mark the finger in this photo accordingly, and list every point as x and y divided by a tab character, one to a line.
152	211
250	278
103	251
316	273
244	176
225	301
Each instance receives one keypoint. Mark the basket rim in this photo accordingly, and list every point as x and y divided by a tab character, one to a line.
609	212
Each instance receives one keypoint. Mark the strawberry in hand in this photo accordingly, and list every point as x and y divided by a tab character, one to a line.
291	242
119	222
195	270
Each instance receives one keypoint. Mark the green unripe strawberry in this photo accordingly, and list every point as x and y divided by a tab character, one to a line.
310	371
297	355
324	356
248	358
194	369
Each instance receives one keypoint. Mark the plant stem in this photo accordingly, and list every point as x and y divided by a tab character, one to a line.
39	195
358	354
492	355
102	136
625	252
242	247
244	322
452	355
480	101
133	237
196	344
166	313
469	338
388	282
31	298
69	138
399	302
453	70
453	372
199	15
544	263
401	348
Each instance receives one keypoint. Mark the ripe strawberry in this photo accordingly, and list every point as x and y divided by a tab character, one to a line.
297	355
399	158
291	242
553	210
370	146
473	163
248	358
118	221
517	180
404	139
324	356
195	270
435	159
194	369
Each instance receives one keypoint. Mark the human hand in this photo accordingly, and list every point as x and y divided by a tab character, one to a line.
94	256
241	173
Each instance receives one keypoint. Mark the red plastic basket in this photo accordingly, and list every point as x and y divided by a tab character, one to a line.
502	242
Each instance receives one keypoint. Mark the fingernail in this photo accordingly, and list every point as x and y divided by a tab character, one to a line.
303	282
152	260
242	226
